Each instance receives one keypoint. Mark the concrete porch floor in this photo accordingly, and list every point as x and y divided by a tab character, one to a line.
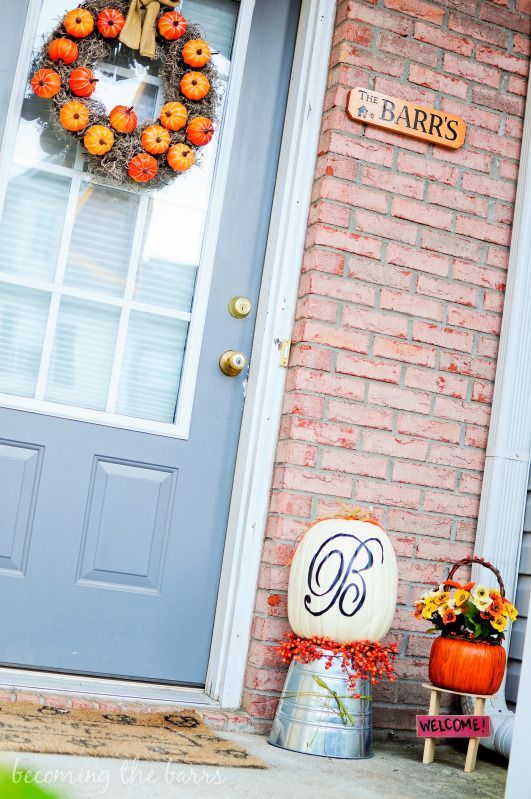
395	772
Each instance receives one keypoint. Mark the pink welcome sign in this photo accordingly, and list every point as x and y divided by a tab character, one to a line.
453	726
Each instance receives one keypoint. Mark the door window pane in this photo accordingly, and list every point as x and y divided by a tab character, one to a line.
101	239
82	355
23	314
31	227
152	367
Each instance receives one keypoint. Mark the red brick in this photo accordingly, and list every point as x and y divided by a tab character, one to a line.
478	229
488	346
424	475
443	39
380	225
517	85
360	149
375	321
330	213
402	496
422	213
405	91
472	114
488	186
359	414
482	391
418	9
369	59
364	367
377	273
442	337
396	446
408	48
467	365
393	397
343	240
470	159
421	260
501	102
311	331
493	301
505	19
476	436
498	257
426	168
378	17
311	481
335	435
303	404
411	304
396	139
470	483
324	383
428	428
471	70
354	463
461	506
502	60
499	145
404	351
311	307
294	504
474	320
380	178
521	44
450	244
339	288
291	452
459	457
285	528
450	408
335	166
422	523
324	261
477	30
447	290
441	551
458	199
437	81
352	32
439	383
503	213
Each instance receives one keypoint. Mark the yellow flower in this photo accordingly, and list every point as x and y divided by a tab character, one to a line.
441	598
480	597
450	605
499	623
461	597
510	610
429	610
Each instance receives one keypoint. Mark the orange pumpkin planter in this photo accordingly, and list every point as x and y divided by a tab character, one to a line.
195	85
200	131
172	25
64	50
79	23
46	83
98	140
173	116
468	657
123	119
156	139
142	168
180	157
82	82
110	23
196	53
471	667
74	116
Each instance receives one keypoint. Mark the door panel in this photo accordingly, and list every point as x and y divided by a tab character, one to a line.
110	555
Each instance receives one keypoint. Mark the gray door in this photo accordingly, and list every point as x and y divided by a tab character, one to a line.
112	522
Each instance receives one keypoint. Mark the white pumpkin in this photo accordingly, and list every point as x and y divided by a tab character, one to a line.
343	582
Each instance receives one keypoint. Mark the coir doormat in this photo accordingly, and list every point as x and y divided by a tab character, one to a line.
175	737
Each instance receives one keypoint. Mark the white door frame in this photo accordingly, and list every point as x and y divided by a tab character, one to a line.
274	323
265	390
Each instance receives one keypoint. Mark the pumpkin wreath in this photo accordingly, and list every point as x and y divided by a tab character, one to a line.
122	151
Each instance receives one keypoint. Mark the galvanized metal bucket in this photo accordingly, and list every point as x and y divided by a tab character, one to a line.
318	716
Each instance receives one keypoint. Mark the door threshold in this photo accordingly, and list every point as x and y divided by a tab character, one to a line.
119	690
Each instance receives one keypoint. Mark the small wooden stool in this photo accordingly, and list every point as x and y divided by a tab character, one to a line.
435	706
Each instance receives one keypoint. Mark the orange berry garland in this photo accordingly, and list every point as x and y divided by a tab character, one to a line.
360	660
120	150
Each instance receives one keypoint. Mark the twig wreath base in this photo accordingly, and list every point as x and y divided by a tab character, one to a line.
94	49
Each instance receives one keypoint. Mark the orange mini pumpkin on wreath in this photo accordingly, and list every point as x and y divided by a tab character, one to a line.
79	23
119	150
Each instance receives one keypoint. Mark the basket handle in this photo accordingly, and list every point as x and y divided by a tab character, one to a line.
481	562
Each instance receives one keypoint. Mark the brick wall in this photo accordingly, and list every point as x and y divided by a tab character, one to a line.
392	368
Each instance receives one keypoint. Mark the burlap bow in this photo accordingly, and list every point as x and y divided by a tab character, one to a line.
139	30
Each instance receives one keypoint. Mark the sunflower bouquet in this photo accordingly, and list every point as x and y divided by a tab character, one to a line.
469	611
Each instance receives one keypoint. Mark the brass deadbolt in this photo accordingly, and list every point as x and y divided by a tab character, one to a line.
232	363
240	307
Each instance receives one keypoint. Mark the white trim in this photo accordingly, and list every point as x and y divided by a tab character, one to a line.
274	322
506	474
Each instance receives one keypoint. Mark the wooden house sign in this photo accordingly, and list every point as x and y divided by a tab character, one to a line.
411	119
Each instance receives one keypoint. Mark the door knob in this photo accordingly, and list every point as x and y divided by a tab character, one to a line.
232	363
240	307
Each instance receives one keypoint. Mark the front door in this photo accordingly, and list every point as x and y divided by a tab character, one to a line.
118	431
